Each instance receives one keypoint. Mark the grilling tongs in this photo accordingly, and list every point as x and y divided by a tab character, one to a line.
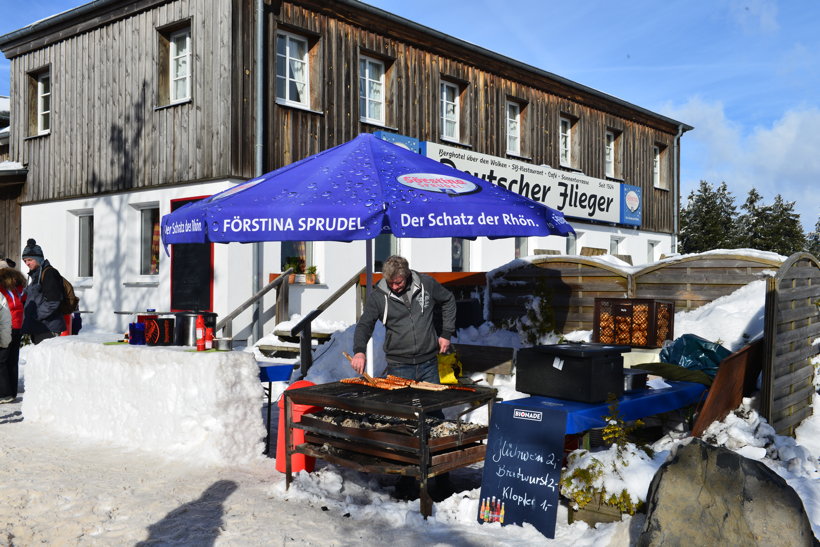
365	375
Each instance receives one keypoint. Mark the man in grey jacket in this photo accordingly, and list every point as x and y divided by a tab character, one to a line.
404	301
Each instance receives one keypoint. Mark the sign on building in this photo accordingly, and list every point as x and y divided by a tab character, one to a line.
574	194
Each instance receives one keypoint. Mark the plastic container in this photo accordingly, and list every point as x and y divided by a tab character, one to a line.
588	373
298	462
136	334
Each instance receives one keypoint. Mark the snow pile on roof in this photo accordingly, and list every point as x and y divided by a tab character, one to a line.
10	166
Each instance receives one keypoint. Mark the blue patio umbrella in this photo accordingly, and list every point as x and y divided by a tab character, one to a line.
356	191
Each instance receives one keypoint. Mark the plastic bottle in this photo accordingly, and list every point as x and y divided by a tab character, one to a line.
209	338
200	333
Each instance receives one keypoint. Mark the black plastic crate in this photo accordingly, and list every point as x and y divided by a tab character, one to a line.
587	373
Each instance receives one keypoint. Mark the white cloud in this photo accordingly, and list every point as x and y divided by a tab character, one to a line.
779	159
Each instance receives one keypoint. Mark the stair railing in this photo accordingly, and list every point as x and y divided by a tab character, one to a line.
303	328
281	303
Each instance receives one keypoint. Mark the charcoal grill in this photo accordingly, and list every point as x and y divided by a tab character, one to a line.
405	448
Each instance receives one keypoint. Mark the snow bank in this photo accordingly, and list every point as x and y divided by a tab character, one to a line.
199	406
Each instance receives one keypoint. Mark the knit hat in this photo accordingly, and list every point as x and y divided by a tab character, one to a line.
33	250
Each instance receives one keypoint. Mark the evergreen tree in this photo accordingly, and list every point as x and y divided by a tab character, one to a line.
813	240
705	220
775	228
785	235
747	230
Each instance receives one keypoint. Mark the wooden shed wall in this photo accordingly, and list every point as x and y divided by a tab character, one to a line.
792	330
107	132
415	66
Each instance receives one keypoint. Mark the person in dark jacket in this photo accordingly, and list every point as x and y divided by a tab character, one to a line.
12	287
44	293
404	301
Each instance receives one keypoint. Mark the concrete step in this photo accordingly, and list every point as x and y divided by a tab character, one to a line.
282	351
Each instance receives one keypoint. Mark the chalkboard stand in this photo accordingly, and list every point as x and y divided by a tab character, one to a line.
522	466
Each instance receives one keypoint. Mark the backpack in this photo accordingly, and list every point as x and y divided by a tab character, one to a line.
70	301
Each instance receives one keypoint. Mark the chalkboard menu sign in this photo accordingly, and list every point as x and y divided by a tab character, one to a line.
522	467
192	271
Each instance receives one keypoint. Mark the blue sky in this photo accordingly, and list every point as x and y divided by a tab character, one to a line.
745	74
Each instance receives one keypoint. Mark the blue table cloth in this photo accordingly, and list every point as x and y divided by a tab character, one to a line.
632	406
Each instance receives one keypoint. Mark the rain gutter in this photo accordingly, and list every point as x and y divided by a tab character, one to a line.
676	190
259	161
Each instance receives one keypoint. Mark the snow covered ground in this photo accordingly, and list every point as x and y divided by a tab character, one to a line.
63	488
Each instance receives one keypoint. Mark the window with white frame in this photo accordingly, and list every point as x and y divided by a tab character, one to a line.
521	247
174	69
659	172
149	241
449	111
460	254
384	246
292	69
301	251
610	154
39	95
513	128
371	90
651	250
43	103
615	244
565	145
180	65
85	245
572	243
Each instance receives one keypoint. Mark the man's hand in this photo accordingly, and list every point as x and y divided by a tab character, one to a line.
443	345
358	362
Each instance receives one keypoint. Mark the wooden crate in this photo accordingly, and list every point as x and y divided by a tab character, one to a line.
637	322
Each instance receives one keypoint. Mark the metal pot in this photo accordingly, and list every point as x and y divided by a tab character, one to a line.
223	344
185	326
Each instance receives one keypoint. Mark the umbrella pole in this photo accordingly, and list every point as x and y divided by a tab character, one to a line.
368	281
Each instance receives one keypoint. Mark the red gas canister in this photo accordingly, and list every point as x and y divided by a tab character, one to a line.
298	462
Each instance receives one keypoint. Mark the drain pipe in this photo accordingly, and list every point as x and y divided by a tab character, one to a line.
676	190
259	161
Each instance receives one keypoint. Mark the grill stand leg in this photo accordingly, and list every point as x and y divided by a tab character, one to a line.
425	501
288	441
267	437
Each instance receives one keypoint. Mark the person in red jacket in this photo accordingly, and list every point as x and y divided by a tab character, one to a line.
12	288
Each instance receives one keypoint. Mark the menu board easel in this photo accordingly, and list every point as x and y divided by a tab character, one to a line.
522	467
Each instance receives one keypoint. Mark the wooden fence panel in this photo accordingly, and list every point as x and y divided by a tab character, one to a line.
792	325
693	281
690	282
572	284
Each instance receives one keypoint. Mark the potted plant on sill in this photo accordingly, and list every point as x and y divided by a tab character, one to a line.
296	264
310	275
